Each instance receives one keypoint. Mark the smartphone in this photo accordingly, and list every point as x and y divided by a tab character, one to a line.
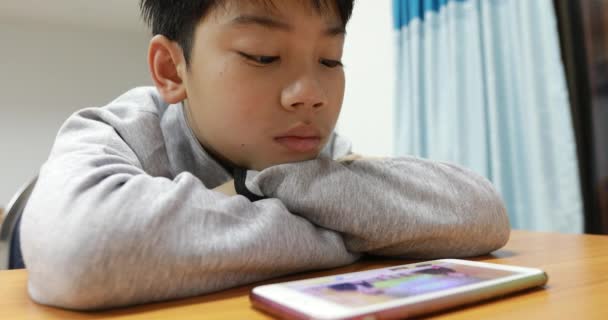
396	292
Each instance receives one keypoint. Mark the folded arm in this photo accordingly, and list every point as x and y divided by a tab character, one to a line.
393	206
100	232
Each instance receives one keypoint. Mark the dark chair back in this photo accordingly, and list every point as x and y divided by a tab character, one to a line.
10	248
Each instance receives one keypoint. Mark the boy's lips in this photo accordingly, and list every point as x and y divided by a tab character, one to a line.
300	139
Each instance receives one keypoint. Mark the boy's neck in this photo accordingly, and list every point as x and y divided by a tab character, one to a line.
227	165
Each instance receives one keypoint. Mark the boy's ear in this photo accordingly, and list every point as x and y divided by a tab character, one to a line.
168	68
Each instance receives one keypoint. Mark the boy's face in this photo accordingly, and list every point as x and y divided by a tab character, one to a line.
265	83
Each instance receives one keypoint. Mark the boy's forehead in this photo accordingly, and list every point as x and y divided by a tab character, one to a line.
230	9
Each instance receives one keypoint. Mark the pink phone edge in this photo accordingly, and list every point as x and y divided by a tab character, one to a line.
424	308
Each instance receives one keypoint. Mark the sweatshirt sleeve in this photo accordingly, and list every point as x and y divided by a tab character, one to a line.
100	232
405	206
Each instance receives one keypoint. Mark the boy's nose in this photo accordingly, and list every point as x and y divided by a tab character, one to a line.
306	92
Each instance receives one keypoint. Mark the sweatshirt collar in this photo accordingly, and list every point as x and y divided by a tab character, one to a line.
185	151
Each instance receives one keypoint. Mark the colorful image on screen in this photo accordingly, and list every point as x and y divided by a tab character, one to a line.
376	286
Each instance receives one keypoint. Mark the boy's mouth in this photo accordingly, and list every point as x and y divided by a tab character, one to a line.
300	139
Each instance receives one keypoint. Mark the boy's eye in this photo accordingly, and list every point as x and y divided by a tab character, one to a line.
331	63
265	60
259	59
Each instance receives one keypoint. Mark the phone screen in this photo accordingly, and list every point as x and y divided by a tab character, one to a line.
383	285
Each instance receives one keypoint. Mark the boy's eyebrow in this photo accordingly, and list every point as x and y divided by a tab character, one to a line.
271	23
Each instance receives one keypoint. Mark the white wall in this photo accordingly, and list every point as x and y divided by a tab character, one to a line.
111	15
46	73
367	113
54	62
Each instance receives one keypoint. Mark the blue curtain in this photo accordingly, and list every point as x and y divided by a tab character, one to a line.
481	84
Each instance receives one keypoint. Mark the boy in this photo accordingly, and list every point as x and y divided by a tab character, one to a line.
225	173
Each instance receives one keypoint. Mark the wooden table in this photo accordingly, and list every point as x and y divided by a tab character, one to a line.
578	287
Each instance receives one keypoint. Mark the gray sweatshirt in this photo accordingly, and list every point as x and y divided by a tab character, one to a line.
123	212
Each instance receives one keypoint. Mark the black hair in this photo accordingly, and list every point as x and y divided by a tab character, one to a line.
177	19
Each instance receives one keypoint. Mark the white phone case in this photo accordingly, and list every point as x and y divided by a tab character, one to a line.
396	292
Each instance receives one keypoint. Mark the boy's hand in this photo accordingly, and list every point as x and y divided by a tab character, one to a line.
226	188
347	159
